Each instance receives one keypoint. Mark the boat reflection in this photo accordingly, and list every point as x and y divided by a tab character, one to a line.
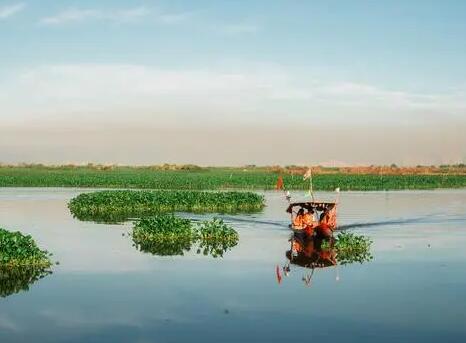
18	279
314	253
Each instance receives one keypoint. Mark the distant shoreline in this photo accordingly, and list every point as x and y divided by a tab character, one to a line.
247	177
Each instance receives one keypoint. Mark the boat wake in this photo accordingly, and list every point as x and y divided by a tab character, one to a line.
379	223
254	221
431	219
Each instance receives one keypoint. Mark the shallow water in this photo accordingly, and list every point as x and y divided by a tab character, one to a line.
106	290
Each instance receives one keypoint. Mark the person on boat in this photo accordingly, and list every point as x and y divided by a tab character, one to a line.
324	229
308	222
308	217
298	223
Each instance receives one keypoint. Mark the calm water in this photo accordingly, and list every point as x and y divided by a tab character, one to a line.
104	290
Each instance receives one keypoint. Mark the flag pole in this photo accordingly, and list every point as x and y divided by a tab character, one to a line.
311	188
308	175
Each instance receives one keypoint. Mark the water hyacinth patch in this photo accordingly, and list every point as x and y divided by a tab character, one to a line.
18	250
215	237
22	262
119	205
351	248
163	235
167	235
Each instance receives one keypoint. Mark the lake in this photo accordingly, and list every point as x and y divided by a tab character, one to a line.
105	290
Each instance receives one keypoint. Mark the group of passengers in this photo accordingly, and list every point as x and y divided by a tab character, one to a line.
308	221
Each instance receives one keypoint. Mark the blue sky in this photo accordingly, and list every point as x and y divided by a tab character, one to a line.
417	45
250	63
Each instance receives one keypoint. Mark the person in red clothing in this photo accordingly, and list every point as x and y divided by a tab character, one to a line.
324	229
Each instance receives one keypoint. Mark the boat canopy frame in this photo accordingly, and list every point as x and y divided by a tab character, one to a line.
312	205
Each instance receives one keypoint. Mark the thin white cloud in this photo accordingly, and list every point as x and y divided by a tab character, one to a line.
10	10
174	18
73	15
70	15
248	95
238	29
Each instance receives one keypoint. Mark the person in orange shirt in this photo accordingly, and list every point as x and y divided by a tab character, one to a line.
308	222
298	223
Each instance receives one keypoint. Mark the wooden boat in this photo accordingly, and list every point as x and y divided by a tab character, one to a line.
325	218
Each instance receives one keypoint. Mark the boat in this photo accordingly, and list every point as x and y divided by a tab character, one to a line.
325	218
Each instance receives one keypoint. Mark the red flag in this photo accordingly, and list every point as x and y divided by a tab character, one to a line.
280	184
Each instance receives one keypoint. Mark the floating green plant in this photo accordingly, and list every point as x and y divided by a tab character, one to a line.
22	262
18	250
118	205
350	248
215	237
167	235
163	234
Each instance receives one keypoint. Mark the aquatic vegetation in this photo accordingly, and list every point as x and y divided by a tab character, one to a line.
215	237
17	250
167	235
163	235
118	205
16	279
314	253
22	262
351	248
227	178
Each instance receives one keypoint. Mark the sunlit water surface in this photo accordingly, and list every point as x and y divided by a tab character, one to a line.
105	290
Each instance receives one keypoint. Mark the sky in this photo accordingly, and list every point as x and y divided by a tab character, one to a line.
233	82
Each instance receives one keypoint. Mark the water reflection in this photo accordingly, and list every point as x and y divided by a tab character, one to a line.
313	253
120	217
17	279
178	247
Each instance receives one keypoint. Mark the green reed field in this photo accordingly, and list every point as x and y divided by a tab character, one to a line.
213	178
